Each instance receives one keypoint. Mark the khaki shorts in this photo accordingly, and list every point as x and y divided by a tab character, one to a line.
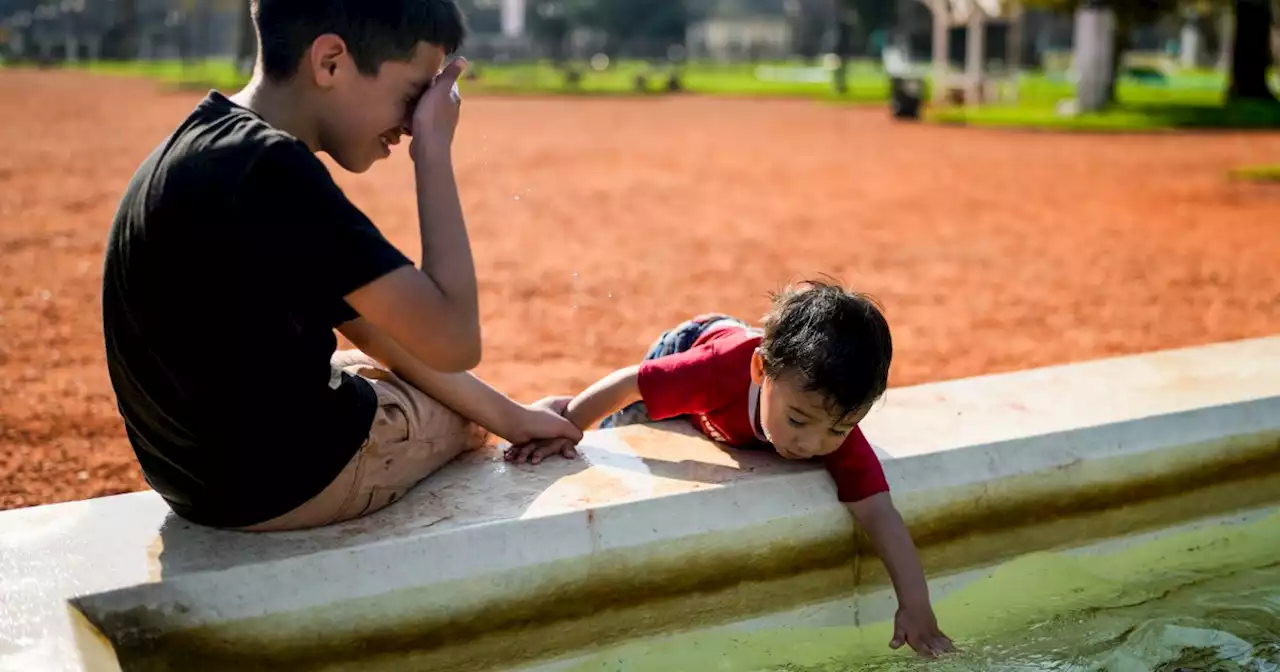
412	436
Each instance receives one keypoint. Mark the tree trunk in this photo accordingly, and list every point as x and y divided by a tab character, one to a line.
121	40
1226	38
844	46
1013	47
1119	44
1093	59
1251	51
246	40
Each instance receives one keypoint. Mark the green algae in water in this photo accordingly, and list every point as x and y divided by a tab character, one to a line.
1201	600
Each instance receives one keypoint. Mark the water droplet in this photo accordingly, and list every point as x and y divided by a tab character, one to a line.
517	197
45	294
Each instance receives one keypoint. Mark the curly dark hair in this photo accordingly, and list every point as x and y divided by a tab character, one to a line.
376	31
835	340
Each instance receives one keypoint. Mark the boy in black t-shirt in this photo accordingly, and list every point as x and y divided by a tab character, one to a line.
234	256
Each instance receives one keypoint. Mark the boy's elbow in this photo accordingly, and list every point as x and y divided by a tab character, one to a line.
470	358
457	362
468	350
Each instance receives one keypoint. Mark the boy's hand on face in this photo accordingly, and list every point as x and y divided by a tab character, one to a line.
917	627
543	432
435	118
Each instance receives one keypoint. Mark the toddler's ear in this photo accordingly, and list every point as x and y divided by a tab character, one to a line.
757	367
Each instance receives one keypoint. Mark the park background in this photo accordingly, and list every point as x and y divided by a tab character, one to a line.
625	164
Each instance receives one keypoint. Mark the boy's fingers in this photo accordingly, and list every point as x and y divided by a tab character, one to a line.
451	73
560	405
546	449
535	452
525	451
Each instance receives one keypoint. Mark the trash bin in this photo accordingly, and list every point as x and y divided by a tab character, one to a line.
905	97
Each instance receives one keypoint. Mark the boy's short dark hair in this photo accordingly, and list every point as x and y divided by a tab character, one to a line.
376	31
837	342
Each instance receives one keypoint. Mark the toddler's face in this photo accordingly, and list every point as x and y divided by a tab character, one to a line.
798	423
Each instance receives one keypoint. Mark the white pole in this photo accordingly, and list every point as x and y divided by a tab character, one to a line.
975	56
941	46
513	18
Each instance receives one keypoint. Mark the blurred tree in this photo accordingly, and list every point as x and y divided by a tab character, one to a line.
202	14
1251	54
484	17
120	41
857	19
1128	13
873	14
651	25
246	38
1251	48
549	23
811	23
846	23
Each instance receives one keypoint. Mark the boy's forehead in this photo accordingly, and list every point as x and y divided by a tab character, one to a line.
425	64
428	57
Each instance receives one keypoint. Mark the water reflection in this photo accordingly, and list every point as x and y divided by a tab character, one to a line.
1200	600
1231	624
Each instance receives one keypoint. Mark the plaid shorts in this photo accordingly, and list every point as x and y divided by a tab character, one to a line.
671	342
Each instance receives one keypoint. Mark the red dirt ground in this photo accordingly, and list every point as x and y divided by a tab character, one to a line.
598	223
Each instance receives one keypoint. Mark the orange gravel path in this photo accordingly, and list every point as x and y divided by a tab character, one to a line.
598	223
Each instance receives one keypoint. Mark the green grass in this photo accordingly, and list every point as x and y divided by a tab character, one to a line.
1265	174
1122	117
1180	101
220	74
1184	101
865	83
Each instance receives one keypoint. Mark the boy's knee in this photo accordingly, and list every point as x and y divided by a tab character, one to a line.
347	359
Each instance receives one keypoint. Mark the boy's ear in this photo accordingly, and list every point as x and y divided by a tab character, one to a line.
328	60
757	367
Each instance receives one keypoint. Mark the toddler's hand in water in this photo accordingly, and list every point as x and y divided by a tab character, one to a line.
918	628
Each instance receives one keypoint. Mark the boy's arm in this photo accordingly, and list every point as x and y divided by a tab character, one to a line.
434	311
467	395
915	623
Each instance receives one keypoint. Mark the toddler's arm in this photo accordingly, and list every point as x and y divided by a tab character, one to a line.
915	623
605	397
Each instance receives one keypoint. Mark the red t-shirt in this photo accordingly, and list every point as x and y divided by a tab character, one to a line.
711	384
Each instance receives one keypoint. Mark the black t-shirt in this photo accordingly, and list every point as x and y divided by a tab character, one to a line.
224	279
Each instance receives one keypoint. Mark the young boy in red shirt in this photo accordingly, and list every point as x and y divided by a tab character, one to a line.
799	385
